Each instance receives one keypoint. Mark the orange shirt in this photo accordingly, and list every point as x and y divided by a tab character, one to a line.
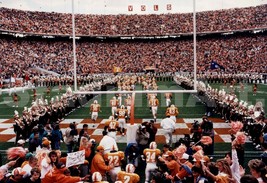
182	173
151	155
154	102
98	164
128	177
95	108
112	125
122	113
173	166
114	158
114	102
57	176
172	111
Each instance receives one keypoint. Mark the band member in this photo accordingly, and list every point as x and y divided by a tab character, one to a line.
94	108
114	104
168	97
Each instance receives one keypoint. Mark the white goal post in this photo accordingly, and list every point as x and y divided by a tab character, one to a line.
194	90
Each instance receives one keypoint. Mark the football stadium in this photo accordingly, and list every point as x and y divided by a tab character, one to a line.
136	91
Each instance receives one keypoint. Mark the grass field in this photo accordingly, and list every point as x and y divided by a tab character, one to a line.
189	107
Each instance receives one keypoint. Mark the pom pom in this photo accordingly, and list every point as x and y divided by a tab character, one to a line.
198	155
197	148
236	126
240	138
179	151
15	152
206	140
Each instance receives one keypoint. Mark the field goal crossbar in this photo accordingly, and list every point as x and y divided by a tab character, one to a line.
135	91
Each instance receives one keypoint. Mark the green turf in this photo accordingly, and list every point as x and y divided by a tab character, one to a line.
189	106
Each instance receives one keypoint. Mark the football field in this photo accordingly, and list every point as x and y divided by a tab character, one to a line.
190	109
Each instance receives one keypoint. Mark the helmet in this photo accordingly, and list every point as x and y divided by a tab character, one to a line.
96	177
130	168
95	101
153	145
122	107
172	106
111	118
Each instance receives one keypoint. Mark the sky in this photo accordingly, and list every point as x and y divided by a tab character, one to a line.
124	6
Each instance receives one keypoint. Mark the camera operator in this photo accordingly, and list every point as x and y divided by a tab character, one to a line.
207	130
196	130
142	138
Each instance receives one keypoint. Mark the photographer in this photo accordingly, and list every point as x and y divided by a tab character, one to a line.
207	130
196	130
69	138
142	138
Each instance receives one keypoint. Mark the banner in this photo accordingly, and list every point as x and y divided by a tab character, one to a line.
130	8
156	7
169	7
75	158
143	7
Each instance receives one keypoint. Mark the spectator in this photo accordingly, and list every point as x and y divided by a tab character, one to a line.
98	163
258	170
35	176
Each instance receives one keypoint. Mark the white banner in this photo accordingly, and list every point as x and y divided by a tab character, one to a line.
75	158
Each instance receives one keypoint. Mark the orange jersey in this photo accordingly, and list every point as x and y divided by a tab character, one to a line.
128	102
182	173
154	102
112	125
168	95
172	111
95	108
151	155
128	177
114	158
122	113
149	95
114	102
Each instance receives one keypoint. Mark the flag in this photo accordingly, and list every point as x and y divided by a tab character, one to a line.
215	65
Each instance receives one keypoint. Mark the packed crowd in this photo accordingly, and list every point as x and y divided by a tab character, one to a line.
137	25
243	54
